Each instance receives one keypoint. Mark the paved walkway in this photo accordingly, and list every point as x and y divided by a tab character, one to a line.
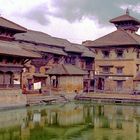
110	97
115	95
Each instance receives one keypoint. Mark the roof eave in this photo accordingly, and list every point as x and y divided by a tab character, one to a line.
91	46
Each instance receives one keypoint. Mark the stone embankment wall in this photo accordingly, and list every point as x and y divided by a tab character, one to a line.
12	98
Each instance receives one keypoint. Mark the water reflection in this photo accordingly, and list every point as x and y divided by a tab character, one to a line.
71	121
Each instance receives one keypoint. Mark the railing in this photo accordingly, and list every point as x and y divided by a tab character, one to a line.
14	86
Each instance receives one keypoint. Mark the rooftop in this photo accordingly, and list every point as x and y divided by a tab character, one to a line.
41	38
65	69
5	23
119	37
14	48
125	17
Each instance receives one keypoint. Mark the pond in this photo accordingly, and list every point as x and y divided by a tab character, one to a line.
71	121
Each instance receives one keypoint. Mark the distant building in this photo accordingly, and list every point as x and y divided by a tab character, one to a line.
12	60
117	56
55	51
12	55
67	78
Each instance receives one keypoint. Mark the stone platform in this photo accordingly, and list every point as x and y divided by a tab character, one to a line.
12	98
113	98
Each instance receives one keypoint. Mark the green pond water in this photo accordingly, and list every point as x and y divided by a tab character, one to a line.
71	121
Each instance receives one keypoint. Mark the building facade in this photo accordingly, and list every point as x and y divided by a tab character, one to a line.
55	51
12	60
117	56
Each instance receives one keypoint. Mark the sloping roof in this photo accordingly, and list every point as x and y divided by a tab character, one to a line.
40	75
39	48
51	50
43	38
125	17
88	54
73	48
85	50
117	38
65	69
11	25
13	48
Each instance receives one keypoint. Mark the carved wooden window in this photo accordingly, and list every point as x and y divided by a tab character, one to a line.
119	70
106	69
71	60
120	53
105	53
88	63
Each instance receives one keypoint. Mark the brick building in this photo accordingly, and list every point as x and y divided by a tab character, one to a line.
117	59
55	51
12	60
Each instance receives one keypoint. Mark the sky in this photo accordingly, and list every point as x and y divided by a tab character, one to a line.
75	20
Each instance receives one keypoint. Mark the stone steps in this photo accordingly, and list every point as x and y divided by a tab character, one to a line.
44	99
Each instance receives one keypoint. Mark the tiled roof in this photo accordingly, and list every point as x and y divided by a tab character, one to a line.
125	17
85	50
13	48
65	69
43	38
73	48
51	50
117	38
11	25
40	75
39	48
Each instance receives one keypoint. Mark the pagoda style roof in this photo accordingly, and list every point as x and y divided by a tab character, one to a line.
15	49
40	38
5	23
119	37
86	51
65	69
44	49
125	17
73	47
51	50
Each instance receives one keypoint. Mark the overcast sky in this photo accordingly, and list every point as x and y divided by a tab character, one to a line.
75	20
